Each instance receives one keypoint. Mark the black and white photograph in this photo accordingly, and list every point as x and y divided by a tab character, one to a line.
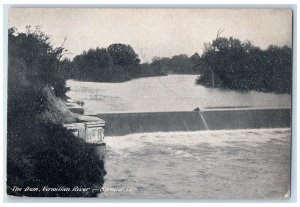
149	103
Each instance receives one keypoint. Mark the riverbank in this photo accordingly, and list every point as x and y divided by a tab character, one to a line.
42	153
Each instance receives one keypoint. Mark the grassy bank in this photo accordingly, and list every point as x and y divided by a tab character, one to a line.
41	154
44	155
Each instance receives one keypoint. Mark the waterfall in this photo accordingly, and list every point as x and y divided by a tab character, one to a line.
203	120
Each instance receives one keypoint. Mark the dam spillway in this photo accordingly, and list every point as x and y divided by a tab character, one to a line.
120	124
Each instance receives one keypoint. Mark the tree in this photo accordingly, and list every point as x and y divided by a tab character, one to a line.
40	60
230	63
116	63
195	58
93	65
181	64
123	55
161	66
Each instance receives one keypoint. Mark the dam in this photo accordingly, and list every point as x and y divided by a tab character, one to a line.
120	124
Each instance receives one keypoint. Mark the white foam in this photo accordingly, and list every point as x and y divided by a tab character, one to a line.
191	139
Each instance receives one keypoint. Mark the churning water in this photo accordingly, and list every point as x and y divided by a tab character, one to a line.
205	164
165	93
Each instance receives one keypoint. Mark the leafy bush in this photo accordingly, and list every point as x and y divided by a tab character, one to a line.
45	154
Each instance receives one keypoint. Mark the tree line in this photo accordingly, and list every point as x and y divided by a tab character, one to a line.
225	63
119	62
231	63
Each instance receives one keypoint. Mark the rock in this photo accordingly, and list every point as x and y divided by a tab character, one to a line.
197	109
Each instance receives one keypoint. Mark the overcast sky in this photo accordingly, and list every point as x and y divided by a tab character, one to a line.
155	32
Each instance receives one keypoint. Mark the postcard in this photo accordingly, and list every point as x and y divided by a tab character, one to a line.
149	103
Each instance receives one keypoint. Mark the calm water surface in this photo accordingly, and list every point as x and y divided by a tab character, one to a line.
166	93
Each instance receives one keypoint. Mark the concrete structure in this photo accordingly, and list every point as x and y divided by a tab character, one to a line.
94	132
74	107
119	124
91	132
88	128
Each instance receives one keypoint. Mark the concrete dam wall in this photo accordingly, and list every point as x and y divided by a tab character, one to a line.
118	124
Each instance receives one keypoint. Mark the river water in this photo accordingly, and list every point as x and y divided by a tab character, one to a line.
165	93
250	163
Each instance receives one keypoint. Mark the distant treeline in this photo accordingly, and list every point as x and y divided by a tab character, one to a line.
230	63
119	62
225	63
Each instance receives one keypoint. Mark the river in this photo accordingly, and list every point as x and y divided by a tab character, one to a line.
165	93
244	163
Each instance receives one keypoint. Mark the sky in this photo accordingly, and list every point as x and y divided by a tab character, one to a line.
155	32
